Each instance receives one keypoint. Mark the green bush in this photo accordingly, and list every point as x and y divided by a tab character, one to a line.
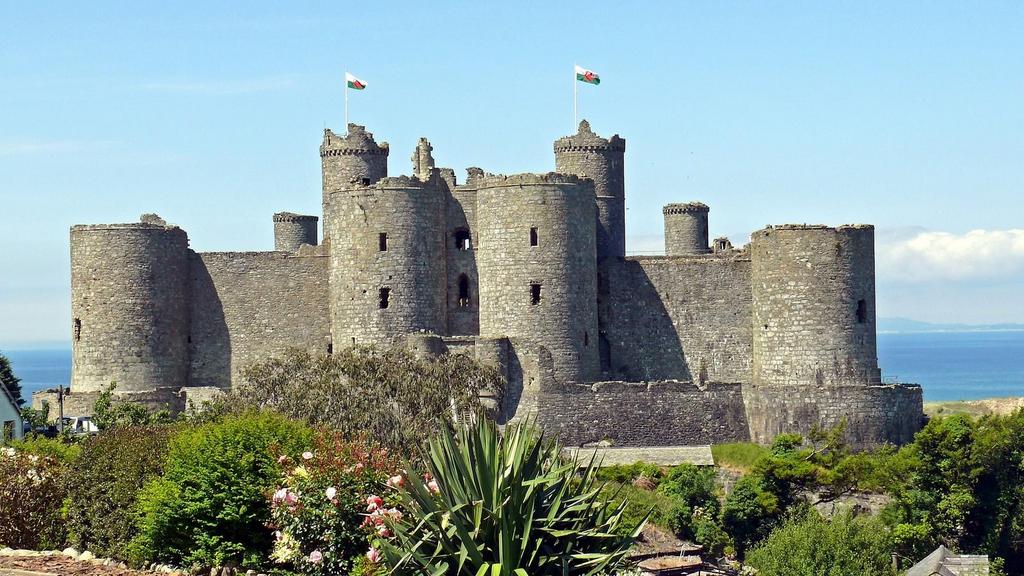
638	504
209	508
62	450
626	473
31	493
809	545
108	476
749	512
502	504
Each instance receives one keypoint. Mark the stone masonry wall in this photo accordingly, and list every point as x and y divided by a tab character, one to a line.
686	229
293	230
463	313
668	413
558	212
679	318
350	158
814	305
588	155
874	415
247	306
129	306
388	275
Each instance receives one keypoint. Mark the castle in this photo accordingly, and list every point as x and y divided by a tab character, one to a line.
708	343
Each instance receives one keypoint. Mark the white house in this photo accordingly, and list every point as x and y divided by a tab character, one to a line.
10	416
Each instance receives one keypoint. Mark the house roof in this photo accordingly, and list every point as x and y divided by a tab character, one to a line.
943	562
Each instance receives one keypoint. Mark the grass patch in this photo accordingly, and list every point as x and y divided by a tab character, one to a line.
739	456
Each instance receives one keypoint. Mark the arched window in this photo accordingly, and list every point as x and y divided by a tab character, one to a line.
462	239
463	291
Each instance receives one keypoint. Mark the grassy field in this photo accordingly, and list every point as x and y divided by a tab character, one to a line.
738	456
975	408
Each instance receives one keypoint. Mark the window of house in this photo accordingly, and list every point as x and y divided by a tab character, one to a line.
382	241
385	298
534	294
533	236
463	291
862	311
462	240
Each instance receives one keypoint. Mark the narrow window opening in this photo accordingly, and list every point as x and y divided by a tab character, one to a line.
586	338
862	311
385	298
463	240
353	340
78	330
365	181
533	236
330	348
382	241
463	291
534	294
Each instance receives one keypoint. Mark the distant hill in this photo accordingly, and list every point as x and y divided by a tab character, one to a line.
903	325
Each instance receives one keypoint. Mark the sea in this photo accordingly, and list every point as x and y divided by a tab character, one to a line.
948	365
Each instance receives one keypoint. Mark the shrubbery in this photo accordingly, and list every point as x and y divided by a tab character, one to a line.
209	508
320	507
31	493
809	545
108	475
344	391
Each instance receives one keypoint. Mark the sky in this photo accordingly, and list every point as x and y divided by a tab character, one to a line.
905	115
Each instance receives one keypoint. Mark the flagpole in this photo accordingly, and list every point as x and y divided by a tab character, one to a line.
575	90
346	105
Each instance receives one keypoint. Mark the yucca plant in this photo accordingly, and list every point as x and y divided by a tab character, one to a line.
504	504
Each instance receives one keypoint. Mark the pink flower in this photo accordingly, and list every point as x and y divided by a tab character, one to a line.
359	466
395	514
307	455
433	488
373	555
383	532
280	495
373	503
282	459
396	481
315	557
331	493
291	498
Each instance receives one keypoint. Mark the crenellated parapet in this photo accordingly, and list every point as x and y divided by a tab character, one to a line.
686	229
585	140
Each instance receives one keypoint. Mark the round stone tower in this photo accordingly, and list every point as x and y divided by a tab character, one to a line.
353	158
387	264
537	267
293	230
129	306
814	306
588	155
686	229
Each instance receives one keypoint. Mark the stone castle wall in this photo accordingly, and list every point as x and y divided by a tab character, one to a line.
679	318
814	305
249	306
526	272
537	267
668	413
388	276
129	306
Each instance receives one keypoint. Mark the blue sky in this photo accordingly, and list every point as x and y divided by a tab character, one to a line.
906	115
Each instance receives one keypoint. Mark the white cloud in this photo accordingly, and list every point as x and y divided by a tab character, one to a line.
932	256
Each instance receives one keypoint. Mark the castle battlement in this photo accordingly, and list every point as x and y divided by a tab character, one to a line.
528	272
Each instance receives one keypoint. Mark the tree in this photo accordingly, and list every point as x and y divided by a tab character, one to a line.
387	393
11	382
108	414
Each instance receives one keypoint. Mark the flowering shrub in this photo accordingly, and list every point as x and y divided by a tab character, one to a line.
326	509
31	492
